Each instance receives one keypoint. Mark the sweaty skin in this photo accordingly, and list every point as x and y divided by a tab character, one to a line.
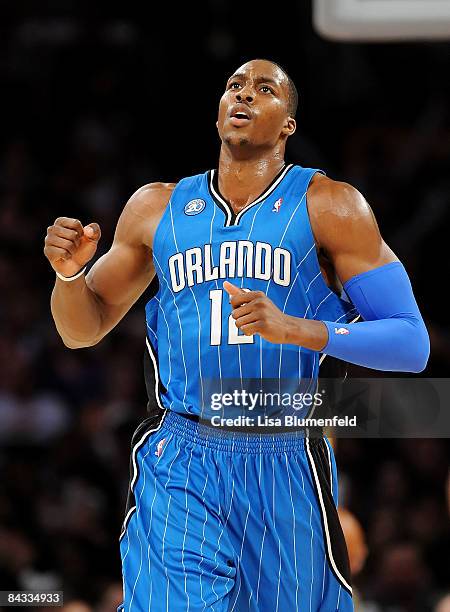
252	153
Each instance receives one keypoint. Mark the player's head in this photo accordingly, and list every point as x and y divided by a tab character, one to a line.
257	109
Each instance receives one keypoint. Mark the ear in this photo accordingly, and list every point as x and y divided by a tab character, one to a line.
217	124
289	127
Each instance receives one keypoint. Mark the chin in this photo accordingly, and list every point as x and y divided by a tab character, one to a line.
237	141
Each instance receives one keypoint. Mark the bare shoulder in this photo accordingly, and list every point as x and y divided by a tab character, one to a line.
336	204
142	213
345	228
151	198
339	213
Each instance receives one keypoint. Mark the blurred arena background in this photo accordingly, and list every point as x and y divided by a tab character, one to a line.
97	102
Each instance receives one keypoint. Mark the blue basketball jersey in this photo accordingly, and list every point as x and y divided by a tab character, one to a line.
268	246
231	521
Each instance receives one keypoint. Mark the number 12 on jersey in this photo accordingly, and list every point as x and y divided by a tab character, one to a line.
234	336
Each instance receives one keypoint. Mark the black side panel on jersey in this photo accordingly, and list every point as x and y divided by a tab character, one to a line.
153	421
335	545
149	375
149	369
333	368
140	437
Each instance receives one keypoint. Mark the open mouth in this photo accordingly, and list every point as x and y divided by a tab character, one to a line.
240	117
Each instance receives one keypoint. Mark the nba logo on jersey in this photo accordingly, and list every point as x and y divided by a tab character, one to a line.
159	447
194	207
277	205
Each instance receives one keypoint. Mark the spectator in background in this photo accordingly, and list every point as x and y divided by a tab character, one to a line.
443	605
112	597
76	605
402	579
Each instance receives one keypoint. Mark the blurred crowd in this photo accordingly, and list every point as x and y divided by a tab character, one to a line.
93	107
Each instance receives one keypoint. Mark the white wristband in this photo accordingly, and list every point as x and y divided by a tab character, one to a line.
69	279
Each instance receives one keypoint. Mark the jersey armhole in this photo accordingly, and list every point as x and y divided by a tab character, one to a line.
315	260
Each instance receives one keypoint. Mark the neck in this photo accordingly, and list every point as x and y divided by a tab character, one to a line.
241	181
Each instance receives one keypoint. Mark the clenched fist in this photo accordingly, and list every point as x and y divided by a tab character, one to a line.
69	245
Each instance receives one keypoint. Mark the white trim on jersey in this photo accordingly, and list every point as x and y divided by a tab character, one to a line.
168	338
325	520
181	329
331	470
263	196
134	452
137	530
155	367
312	556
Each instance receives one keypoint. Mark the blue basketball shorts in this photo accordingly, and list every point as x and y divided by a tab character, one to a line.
219	521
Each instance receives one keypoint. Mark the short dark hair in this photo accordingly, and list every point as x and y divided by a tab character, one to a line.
293	93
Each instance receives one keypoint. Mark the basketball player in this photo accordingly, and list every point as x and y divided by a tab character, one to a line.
249	261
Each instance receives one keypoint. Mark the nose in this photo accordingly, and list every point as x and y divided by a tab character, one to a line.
246	94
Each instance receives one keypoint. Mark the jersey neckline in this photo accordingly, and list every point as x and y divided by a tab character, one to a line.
231	218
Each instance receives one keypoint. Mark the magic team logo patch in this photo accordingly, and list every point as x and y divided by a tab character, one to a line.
194	207
277	205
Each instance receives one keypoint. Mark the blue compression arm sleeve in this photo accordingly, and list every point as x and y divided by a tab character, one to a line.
393	336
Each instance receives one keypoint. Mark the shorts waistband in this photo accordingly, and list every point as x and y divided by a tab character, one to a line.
195	431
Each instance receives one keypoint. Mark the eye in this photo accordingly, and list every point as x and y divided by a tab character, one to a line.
233	85
266	89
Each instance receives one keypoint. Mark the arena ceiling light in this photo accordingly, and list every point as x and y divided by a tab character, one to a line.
380	20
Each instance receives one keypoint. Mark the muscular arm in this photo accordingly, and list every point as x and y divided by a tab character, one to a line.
393	336
86	309
345	228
